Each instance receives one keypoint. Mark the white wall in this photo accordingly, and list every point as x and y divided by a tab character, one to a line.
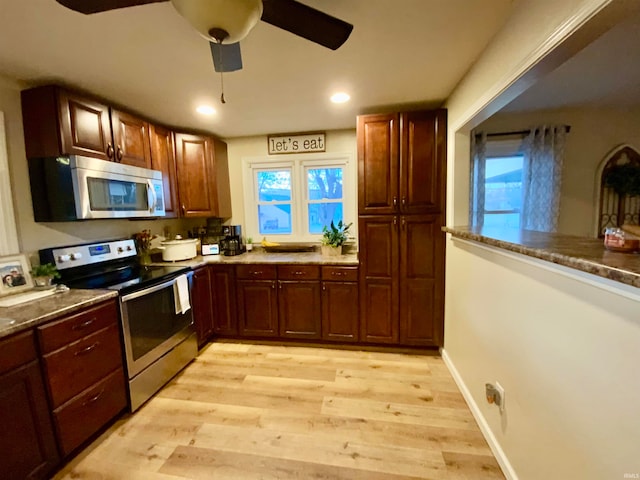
594	133
34	236
564	350
337	141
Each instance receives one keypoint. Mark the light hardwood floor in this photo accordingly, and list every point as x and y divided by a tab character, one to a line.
244	411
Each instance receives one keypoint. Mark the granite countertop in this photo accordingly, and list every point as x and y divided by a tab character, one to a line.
260	256
581	253
30	314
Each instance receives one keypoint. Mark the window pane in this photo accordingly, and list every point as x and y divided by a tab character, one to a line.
503	220
324	183
274	185
274	219
503	184
321	214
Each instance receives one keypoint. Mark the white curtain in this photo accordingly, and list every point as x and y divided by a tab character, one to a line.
478	168
542	177
8	234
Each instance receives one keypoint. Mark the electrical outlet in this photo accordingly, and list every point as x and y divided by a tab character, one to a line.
500	396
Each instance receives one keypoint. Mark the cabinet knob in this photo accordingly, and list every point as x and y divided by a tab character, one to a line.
119	153
403	222
395	201
273	285
404	201
184	209
109	150
395	221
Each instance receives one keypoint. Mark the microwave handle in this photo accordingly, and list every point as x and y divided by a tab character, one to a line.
152	198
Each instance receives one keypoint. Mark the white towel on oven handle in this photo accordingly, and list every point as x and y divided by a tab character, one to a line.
181	294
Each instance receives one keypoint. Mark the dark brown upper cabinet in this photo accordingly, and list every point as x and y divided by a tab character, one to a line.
401	158
163	158
203	176
61	122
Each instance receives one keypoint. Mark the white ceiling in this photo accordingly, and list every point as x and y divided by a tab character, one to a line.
148	59
605	74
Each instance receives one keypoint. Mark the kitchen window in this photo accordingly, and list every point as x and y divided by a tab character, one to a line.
293	199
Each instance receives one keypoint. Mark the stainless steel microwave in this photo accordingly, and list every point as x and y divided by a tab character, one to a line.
82	188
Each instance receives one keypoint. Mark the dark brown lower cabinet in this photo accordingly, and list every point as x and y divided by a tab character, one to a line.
27	443
401	279
299	309
421	280
340	311
379	272
257	308
202	306
223	296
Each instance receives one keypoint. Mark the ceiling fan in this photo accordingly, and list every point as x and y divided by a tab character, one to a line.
225	22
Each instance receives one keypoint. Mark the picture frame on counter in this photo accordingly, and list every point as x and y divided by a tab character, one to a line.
14	274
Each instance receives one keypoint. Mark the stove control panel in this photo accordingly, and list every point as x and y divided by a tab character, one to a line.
79	255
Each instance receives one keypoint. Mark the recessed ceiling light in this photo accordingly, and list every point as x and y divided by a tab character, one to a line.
206	110
340	97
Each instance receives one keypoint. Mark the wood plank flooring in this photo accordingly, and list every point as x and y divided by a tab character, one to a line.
245	411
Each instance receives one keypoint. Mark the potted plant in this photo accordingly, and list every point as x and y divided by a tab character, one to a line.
624	179
249	244
333	238
44	274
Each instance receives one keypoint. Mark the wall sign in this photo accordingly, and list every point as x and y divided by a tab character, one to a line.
296	143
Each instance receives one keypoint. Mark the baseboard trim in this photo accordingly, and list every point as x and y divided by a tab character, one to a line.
501	457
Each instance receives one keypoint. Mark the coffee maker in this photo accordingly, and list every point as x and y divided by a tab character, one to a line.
232	244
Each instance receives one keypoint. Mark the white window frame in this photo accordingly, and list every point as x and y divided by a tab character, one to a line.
299	195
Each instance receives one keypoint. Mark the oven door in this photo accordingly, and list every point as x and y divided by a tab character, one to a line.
151	326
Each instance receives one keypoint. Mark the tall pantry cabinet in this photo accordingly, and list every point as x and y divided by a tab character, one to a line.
401	207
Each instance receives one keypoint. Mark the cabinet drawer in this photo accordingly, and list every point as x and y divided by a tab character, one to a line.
298	272
87	413
343	274
80	364
57	334
17	350
259	272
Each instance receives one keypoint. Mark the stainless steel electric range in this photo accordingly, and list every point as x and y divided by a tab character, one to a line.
156	318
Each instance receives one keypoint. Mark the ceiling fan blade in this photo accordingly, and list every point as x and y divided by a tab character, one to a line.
306	22
96	6
226	56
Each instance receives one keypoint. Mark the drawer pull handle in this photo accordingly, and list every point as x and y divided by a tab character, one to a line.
93	399
83	325
86	350
257	272
337	274
298	273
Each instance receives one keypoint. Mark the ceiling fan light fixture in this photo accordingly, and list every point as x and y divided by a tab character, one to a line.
235	17
340	97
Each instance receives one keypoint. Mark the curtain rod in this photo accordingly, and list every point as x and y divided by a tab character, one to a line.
517	132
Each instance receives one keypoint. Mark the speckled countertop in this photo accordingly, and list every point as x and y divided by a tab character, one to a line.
580	253
260	256
30	314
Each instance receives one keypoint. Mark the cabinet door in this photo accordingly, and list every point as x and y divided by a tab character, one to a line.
26	439
378	163
194	166
202	307
421	280
163	158
85	128
423	161
223	294
299	312
379	278
340	311
257	308
131	139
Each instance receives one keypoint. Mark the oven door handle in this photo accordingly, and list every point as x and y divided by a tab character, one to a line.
147	291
